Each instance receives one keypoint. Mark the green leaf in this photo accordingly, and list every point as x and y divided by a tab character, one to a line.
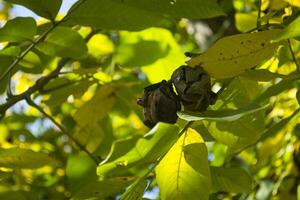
43	8
244	131
232	55
10	51
64	42
18	29
230	179
79	174
102	189
171	53
291	31
137	15
146	150
24	158
135	191
220	115
262	75
184	171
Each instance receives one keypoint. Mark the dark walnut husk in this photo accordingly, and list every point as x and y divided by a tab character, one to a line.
193	86
160	104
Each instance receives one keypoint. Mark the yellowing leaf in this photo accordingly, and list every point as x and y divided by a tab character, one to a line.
100	45
293	2
89	117
245	21
184	172
232	55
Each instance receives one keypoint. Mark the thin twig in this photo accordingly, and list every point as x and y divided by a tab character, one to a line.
62	129
258	21
293	55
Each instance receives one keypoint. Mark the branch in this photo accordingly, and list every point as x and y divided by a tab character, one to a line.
62	129
38	40
293	55
40	83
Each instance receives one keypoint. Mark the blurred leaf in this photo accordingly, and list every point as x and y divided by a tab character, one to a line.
245	21
44	8
64	42
100	45
274	129
184	172
79	170
146	150
140	52
172	55
291	31
18	29
293	2
24	158
220	115
137	15
89	131
232	55
135	191
275	90
230	179
10	51
60	89
102	189
262	75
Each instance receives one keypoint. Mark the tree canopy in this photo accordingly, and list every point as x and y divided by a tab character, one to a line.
85	95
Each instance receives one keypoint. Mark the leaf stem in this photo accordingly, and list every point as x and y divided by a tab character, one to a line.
293	55
62	128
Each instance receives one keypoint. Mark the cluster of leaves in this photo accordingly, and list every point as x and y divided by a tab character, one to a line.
70	126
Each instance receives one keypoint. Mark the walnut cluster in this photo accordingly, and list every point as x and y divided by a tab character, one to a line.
161	103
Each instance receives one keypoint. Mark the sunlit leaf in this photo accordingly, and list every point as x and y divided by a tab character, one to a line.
220	115
64	42
184	171
146	150
232	55
137	15
44	8
230	179
18	29
24	158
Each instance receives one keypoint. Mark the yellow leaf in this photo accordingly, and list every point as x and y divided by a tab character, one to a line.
184	172
232	55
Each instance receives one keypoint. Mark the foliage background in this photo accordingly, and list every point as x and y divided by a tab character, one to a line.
70	126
